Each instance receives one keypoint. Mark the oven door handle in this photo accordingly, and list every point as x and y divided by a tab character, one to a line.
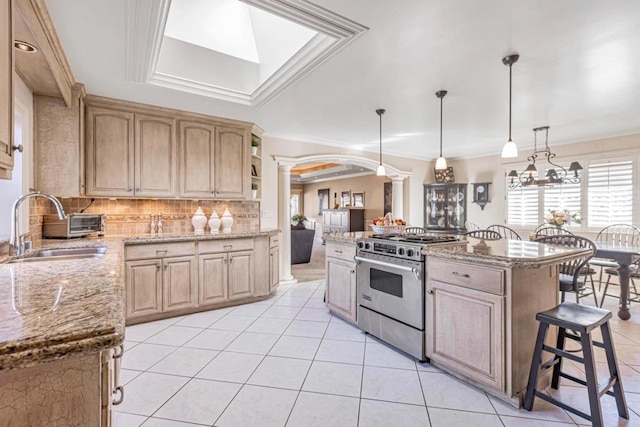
414	270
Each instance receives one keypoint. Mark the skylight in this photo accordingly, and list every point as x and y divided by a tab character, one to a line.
220	25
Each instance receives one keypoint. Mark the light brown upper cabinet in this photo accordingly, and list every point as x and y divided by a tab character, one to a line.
110	151
155	156
232	159
136	150
196	142
130	154
6	88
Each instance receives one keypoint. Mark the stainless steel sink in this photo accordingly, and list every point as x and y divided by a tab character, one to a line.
63	254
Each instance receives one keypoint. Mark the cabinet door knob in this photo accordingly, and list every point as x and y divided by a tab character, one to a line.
137	189
430	291
157	266
19	148
129	189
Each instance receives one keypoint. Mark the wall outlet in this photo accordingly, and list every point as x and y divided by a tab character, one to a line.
266	214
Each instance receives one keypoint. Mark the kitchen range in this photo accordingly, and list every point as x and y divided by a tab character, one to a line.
390	287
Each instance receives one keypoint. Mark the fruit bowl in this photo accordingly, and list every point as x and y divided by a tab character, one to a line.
386	229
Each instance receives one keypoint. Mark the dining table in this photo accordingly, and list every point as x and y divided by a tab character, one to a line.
624	256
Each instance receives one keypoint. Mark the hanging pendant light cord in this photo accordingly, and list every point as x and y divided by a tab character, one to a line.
510	65
441	126
380	114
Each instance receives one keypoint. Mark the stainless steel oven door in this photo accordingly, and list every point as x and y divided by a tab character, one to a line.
392	287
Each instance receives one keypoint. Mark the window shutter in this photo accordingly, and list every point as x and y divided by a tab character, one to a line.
522	206
562	197
610	194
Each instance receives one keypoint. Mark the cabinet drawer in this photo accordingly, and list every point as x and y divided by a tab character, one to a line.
345	252
274	241
471	276
159	250
225	245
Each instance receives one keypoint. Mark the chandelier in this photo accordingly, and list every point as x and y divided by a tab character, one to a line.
555	174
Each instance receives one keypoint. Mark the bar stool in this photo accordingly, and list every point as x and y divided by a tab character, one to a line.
580	320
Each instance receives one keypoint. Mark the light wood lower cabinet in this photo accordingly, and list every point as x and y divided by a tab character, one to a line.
179	283
274	268
184	277
480	321
341	280
226	277
466	331
144	287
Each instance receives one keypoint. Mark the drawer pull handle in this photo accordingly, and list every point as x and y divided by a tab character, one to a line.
455	273
227	247
276	241
161	252
338	252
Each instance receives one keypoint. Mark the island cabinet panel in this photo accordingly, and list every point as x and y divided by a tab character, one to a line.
180	284
196	145
6	88
466	331
110	152
155	156
144	287
232	157
213	278
341	280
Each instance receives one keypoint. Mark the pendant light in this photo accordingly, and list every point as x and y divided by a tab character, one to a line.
510	149
380	171
441	162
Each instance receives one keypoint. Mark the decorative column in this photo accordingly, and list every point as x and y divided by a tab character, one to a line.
284	222
397	196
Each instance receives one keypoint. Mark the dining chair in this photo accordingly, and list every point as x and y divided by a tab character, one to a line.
483	234
471	226
570	271
550	230
623	235
505	232
414	230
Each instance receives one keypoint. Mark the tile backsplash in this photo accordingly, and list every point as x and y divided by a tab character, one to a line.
131	216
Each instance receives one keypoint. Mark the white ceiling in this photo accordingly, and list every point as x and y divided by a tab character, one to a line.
578	67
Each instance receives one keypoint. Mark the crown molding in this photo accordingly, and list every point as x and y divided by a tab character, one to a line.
146	21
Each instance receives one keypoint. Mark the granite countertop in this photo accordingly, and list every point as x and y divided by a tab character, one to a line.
56	309
507	253
348	237
187	237
60	308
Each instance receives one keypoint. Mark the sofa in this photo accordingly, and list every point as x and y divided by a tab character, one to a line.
301	244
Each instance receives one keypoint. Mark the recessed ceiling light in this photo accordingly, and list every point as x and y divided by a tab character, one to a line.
24	46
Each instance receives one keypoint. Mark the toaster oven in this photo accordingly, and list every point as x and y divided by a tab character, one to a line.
74	225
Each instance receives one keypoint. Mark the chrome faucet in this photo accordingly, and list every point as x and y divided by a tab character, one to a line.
16	246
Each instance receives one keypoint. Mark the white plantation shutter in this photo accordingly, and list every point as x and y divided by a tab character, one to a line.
562	197
610	193
522	206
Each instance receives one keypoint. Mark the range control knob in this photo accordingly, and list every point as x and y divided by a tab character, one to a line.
360	245
410	253
367	245
400	251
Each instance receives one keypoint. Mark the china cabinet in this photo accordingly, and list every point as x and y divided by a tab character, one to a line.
445	207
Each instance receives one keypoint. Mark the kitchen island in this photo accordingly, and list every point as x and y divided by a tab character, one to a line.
481	305
63	323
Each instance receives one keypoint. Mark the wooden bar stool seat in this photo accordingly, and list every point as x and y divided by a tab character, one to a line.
576	322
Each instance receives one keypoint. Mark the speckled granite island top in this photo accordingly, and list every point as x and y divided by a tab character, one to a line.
60	308
507	253
347	237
